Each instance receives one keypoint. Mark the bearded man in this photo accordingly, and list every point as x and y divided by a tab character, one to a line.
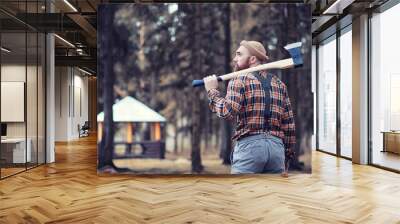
259	103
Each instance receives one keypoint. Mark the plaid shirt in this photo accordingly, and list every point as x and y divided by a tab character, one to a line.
245	101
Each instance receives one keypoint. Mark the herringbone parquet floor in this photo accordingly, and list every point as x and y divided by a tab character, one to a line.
70	191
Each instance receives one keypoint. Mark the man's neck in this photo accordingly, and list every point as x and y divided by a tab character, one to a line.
254	65
262	72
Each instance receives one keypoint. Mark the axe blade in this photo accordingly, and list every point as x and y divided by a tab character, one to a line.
294	50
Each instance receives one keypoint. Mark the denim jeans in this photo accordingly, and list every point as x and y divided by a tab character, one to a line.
261	153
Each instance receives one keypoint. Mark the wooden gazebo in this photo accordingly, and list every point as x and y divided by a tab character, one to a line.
131	113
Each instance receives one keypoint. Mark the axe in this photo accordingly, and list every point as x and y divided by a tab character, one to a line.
296	60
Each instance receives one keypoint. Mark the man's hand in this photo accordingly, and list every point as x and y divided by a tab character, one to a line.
210	82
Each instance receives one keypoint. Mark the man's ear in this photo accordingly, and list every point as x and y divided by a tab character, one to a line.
253	59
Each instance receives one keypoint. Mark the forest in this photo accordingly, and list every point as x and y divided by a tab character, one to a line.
152	52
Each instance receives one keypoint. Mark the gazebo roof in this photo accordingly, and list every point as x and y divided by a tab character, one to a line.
130	109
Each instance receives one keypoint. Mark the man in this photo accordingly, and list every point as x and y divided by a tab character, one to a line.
265	126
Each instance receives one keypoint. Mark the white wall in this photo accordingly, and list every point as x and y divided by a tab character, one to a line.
12	73
16	73
81	104
33	126
61	103
71	102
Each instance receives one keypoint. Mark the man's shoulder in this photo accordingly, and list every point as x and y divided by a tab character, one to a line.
246	77
274	79
250	78
238	81
278	81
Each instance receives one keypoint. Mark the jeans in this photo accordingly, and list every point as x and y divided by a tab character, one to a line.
262	153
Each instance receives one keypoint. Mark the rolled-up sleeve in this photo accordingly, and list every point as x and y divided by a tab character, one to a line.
229	106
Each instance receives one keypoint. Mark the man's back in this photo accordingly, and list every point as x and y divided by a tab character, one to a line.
245	102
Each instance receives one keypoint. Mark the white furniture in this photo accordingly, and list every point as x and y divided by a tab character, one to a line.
17	146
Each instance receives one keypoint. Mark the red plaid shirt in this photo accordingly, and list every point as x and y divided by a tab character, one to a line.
245	101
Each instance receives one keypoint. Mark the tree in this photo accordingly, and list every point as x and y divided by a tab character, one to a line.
112	53
106	148
226	130
159	49
196	153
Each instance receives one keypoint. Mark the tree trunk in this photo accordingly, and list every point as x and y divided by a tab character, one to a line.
176	127
107	144
106	149
196	154
196	129
226	130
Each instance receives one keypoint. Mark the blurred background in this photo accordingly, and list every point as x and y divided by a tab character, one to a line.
150	119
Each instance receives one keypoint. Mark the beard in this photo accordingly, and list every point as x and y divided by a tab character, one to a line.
236	66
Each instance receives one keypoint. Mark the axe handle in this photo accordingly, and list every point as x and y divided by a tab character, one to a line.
200	82
281	64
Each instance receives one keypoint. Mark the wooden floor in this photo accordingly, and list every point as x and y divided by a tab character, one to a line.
5	172
70	191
